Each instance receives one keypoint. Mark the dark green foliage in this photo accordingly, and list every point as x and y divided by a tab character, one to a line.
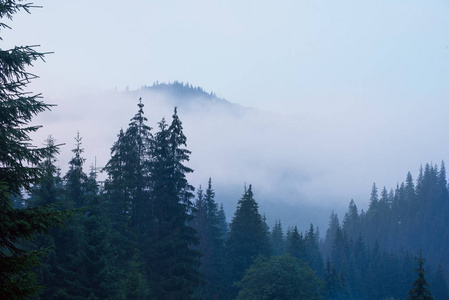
207	223
247	237
222	223
75	179
277	239
313	254
439	285
409	218
367	272
173	264
16	278
48	188
296	245
180	89
420	288
133	283
126	201
128	170
331	231
98	277
351	221
280	277
20	167
335	287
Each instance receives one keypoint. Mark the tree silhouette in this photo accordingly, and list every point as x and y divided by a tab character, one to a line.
420	288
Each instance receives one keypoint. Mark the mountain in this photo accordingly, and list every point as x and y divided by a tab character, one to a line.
232	144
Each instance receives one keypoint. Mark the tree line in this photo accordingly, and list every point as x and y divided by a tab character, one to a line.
145	234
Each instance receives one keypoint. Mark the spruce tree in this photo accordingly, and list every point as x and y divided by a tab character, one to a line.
420	288
222	223
98	276
351	221
75	178
128	175
295	244
334	225
20	165
172	263
313	254
247	236
334	286
206	223
68	266
277	239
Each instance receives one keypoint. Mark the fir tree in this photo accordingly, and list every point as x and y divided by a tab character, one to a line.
75	179
68	266
277	239
222	223
335	288
420	288
313	254
295	244
334	225
351	221
99	275
20	166
247	236
173	264
206	223
127	189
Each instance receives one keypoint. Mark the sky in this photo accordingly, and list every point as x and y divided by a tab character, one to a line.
359	88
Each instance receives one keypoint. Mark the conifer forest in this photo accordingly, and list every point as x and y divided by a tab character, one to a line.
144	232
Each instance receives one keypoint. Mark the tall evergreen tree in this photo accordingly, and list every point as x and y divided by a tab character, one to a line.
75	179
48	189
313	254
420	288
128	170
351	221
295	244
206	223
99	277
67	266
334	287
277	239
222	223
173	264
334	225
19	165
247	237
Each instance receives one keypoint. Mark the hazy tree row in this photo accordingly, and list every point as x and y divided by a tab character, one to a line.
376	248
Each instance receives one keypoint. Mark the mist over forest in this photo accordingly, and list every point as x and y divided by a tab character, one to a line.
334	187
302	166
232	177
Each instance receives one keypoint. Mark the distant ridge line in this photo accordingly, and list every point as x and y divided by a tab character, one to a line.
181	89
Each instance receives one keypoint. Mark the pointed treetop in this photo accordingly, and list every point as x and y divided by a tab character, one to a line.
374	197
420	288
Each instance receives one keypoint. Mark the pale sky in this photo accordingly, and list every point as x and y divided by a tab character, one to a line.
366	77
277	55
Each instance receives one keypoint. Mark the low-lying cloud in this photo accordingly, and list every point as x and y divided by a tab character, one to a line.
313	160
